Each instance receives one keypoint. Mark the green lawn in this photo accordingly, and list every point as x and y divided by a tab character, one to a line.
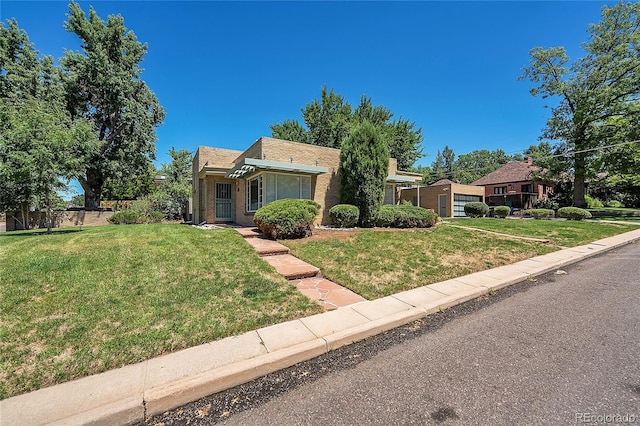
616	213
76	303
376	263
560	232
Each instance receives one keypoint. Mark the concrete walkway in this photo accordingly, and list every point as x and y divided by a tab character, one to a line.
303	275
130	394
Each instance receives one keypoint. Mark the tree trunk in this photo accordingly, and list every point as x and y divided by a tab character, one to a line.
92	187
49	212
578	182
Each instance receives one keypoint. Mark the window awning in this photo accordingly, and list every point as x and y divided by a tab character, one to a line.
401	179
250	165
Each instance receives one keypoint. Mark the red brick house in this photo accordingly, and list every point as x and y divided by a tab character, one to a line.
515	185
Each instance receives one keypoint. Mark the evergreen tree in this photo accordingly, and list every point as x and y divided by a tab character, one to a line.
364	164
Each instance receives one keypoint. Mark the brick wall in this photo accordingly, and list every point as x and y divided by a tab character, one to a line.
65	219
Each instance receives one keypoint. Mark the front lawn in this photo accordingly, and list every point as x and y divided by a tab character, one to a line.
566	233
76	303
380	262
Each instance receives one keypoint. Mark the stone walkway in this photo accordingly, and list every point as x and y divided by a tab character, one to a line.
301	274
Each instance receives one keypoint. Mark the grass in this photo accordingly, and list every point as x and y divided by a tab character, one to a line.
616	213
76	303
560	232
377	263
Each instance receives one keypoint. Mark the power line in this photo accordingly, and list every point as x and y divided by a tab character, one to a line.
565	154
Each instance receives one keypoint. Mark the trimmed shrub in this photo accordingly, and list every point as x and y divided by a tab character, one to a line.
344	215
615	204
385	216
476	209
287	218
541	213
406	215
593	203
546	204
125	217
502	211
574	213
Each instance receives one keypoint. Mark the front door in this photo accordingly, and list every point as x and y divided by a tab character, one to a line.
223	203
442	205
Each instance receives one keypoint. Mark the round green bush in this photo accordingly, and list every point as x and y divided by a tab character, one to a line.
125	217
385	216
344	215
502	211
574	213
287	218
476	209
541	213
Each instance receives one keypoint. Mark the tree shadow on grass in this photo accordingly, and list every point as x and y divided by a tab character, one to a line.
38	232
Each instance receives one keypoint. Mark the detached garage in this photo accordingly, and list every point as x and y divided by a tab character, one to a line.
445	197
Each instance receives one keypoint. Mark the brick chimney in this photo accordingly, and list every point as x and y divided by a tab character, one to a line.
528	160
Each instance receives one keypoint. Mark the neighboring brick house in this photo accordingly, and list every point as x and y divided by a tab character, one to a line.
515	185
230	185
445	197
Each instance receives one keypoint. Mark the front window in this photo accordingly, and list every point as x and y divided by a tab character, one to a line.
500	190
270	187
527	188
254	194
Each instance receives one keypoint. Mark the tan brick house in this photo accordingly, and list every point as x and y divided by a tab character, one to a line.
515	184
230	185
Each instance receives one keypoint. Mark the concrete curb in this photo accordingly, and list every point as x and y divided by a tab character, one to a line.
129	394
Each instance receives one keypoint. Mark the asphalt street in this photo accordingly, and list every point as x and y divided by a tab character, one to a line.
564	349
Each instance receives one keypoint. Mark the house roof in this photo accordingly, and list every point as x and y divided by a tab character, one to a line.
515	171
442	182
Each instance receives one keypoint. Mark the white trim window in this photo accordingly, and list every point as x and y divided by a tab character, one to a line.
268	187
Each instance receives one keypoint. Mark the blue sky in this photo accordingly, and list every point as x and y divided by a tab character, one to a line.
225	71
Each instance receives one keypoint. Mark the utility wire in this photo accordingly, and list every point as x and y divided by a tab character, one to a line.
565	154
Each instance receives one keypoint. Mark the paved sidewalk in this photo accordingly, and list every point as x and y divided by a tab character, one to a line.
132	393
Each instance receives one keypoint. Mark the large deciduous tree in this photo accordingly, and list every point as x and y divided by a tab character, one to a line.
364	163
40	146
597	94
330	119
103	83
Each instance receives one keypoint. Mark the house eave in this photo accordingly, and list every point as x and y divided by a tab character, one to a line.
248	166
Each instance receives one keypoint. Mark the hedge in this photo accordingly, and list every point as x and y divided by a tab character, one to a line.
502	211
476	209
541	213
574	213
405	215
287	218
344	215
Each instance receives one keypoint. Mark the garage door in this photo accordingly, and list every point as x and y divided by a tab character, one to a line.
459	200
